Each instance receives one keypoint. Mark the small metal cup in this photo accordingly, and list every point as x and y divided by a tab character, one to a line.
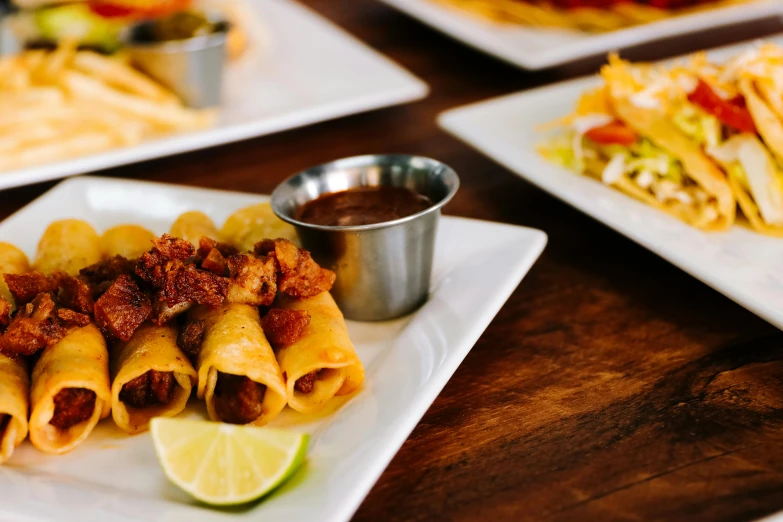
383	270
192	68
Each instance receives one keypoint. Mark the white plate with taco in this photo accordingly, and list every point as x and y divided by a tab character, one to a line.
685	158
538	34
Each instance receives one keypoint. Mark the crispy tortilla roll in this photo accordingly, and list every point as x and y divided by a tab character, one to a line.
151	377
238	375
14	403
12	261
247	226
192	226
68	245
14	380
322	363
70	391
128	241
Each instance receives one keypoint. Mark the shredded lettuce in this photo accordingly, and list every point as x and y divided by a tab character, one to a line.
701	127
560	150
570	150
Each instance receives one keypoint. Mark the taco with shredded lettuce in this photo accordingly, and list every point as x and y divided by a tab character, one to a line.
753	159
643	133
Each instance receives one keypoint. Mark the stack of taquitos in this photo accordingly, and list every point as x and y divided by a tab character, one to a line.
77	380
691	140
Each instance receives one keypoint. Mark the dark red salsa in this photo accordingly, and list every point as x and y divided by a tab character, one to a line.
362	206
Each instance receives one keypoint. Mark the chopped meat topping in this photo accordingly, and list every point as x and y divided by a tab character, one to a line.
24	287
283	327
72	406
34	327
152	267
101	275
206	245
238	400
154	388
253	280
74	293
173	248
299	275
215	263
190	338
306	382
71	318
187	284
5	311
122	309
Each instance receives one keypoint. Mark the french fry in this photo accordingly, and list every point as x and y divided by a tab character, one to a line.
67	148
57	105
84	87
55	63
118	74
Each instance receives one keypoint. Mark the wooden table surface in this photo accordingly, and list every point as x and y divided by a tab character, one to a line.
611	386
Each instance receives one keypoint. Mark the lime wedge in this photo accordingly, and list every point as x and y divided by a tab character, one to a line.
223	464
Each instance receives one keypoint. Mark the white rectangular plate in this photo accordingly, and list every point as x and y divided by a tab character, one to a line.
537	48
114	477
301	70
743	265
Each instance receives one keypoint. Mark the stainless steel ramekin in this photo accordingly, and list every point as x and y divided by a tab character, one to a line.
383	270
192	68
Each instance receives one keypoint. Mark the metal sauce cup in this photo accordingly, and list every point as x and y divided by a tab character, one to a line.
192	68
383	270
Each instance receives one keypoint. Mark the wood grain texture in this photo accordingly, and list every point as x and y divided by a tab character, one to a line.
612	386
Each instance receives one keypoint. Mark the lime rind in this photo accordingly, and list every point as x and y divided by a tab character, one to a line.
293	447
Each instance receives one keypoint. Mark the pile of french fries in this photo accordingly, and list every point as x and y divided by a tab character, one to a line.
60	104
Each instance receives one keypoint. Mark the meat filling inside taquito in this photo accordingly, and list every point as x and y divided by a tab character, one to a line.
70	391
321	362
238	375
151	377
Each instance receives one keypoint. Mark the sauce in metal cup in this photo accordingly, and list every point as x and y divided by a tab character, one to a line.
383	269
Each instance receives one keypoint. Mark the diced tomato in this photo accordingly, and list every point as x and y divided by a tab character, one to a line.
731	113
614	133
137	9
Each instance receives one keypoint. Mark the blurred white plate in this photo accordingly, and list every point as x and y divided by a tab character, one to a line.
743	265
114	477
304	71
537	48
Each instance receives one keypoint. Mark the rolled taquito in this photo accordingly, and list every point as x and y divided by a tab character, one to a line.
151	377
12	261
322	362
14	380
70	391
128	241
247	226
14	397
192	226
68	245
238	375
